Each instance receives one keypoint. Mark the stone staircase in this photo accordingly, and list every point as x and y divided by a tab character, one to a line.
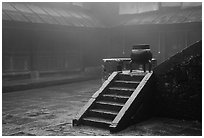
109	105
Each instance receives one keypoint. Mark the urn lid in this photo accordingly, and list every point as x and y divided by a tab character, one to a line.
141	46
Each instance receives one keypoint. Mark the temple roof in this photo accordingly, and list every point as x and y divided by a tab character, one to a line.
49	14
164	17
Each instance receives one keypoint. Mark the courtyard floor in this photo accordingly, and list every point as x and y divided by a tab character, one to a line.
49	112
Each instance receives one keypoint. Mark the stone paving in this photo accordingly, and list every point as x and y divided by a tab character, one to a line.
49	112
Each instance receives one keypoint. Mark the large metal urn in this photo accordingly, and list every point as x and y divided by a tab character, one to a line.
141	54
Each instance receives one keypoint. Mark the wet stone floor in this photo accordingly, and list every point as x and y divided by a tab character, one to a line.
49	112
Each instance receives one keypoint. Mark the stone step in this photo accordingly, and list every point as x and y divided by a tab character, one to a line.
128	77
114	98
109	105
119	91
126	84
107	114
122	89
124	81
97	122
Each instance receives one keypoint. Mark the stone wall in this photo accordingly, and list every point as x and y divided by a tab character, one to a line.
179	90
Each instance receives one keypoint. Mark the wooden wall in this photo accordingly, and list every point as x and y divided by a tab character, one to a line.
165	40
50	47
43	47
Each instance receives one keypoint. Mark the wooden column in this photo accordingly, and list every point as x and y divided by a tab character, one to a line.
33	57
